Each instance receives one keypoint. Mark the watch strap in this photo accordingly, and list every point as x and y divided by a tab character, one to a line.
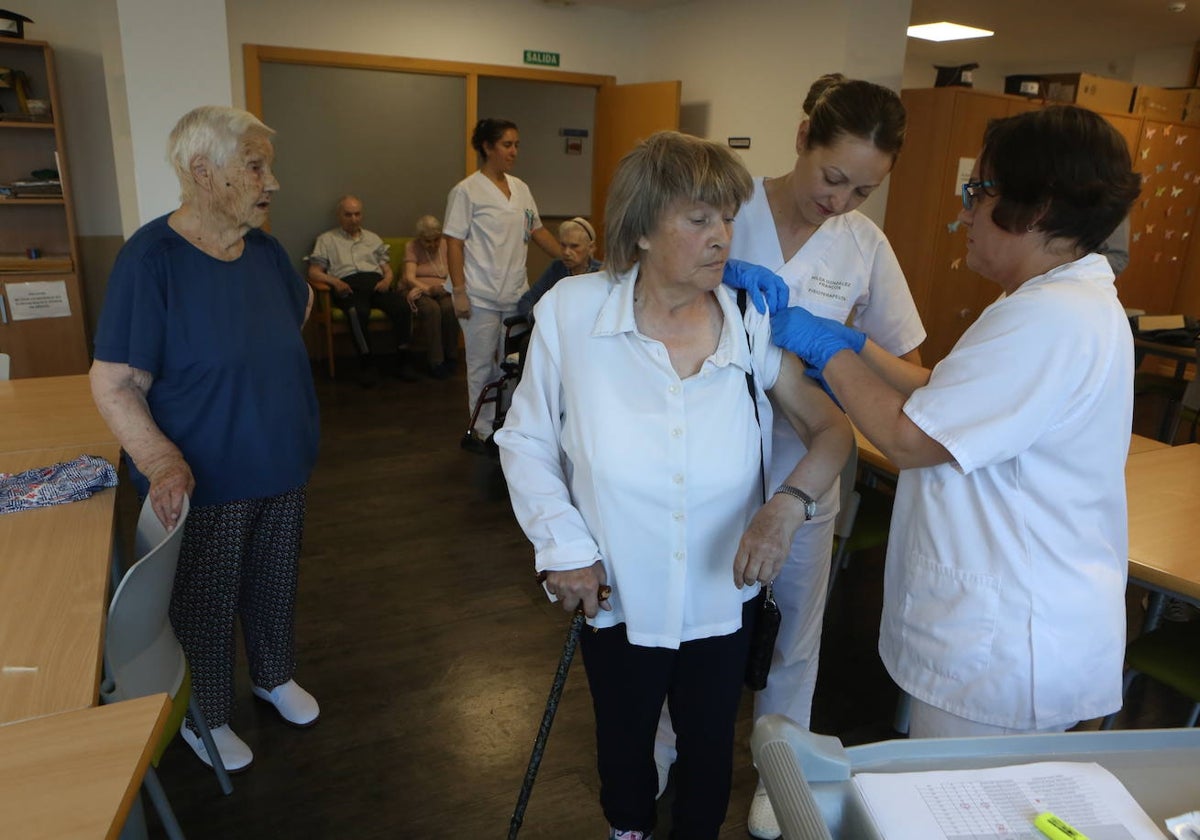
810	504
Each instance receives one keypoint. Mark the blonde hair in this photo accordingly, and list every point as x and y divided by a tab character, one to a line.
581	223
664	168
211	131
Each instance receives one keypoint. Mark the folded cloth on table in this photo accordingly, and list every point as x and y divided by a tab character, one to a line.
69	481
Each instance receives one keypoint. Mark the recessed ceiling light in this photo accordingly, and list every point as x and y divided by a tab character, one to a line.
945	31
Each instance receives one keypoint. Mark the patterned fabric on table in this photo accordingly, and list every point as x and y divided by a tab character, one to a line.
69	481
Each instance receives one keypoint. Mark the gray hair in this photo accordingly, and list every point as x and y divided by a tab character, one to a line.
211	131
581	224
664	168
428	224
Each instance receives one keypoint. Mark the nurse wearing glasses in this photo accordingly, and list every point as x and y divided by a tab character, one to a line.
1004	607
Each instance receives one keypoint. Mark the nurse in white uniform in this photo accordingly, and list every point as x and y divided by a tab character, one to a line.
490	218
1004	593
837	263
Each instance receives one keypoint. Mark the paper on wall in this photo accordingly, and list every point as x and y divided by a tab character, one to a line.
38	299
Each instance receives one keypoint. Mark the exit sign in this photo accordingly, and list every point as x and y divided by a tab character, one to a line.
541	57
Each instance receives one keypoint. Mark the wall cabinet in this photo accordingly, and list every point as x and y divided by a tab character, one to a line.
39	259
945	133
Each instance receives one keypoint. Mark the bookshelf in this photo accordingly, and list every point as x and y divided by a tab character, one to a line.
42	323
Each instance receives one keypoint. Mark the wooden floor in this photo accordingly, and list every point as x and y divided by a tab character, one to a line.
422	634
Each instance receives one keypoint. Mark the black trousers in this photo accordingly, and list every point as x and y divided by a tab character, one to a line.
702	684
362	299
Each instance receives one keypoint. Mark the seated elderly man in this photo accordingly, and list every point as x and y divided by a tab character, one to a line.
352	263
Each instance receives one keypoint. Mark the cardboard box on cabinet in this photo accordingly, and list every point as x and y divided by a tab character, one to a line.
1089	91
1167	104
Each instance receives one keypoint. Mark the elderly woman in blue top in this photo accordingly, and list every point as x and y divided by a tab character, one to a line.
201	374
1004	594
634	454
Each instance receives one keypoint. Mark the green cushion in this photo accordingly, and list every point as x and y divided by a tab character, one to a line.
1171	655
396	253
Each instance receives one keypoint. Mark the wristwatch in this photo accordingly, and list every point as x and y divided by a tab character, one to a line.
810	504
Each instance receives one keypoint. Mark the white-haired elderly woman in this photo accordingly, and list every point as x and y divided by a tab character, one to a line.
425	276
634	453
202	375
577	238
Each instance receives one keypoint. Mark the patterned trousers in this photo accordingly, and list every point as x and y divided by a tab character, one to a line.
238	560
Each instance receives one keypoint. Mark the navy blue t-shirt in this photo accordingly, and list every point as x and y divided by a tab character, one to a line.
232	384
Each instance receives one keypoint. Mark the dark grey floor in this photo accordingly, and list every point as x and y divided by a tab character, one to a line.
431	650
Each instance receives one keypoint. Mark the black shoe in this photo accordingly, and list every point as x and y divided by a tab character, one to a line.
407	373
441	371
471	442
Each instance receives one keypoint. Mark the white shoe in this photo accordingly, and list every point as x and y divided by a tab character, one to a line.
762	823
294	704
664	772
235	754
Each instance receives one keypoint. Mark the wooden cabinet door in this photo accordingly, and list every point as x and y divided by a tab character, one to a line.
44	346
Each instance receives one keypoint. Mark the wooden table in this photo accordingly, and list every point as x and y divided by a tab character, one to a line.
73	776
1163	487
54	572
50	412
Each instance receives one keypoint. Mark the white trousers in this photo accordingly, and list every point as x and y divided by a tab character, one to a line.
483	335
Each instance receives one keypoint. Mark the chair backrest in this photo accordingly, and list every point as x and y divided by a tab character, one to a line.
141	654
850	499
4	365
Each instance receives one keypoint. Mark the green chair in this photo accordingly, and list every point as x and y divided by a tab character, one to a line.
1169	654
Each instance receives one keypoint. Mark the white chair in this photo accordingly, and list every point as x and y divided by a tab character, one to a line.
142	655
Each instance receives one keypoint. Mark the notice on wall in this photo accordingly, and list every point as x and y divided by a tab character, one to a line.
965	165
40	299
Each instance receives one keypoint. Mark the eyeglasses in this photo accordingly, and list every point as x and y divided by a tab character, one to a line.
971	189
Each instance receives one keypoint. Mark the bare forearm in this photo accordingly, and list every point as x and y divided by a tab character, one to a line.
867	388
120	395
547	243
455	260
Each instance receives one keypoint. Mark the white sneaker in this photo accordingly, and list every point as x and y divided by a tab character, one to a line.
235	754
762	823
294	704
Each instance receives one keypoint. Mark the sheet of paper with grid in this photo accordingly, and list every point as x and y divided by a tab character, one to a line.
999	803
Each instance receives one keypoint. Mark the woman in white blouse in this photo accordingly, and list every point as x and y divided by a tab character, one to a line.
634	455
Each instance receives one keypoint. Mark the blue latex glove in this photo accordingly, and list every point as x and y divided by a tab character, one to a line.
766	288
813	339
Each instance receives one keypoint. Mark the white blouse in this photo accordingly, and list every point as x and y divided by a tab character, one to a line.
610	455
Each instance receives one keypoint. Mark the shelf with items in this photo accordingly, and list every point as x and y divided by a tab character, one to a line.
39	257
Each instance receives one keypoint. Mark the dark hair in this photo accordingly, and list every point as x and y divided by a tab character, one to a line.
1062	170
488	132
664	168
836	105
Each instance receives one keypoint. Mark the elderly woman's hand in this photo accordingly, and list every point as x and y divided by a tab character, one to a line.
414	294
766	288
579	587
170	480
815	340
767	541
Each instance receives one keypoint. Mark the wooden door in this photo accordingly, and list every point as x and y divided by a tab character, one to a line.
626	114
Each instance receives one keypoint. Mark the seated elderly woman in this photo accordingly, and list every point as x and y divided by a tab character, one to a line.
634	455
425	274
577	239
1004	598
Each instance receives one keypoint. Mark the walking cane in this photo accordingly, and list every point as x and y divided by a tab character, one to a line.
556	690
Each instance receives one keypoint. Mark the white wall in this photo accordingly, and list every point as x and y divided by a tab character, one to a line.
174	57
746	67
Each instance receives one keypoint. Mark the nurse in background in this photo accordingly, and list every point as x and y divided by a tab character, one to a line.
803	226
1004	592
490	218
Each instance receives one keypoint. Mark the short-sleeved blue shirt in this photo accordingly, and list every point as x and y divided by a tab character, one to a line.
232	384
